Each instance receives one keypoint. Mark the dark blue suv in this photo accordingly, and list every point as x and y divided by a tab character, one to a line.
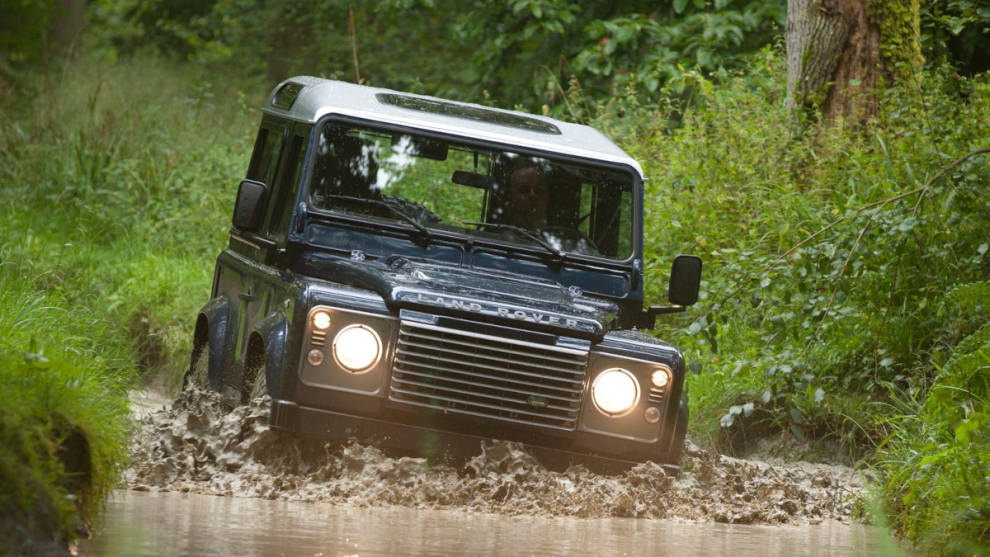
428	274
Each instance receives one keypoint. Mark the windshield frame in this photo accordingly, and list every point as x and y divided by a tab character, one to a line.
636	226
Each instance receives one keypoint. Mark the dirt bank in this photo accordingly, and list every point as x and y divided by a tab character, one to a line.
195	445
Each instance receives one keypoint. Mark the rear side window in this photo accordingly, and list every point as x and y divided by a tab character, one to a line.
265	159
286	189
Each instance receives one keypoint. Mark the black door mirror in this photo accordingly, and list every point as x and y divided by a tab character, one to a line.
249	211
685	280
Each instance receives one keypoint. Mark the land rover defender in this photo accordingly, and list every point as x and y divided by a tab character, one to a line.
429	274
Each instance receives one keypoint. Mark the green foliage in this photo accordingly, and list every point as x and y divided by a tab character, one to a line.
936	461
957	30
839	268
523	52
607	47
58	379
120	201
867	216
22	34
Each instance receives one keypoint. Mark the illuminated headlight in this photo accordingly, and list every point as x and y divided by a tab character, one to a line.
660	378
615	391
321	320
357	348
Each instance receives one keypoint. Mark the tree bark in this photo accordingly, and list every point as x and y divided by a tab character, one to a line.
840	51
65	29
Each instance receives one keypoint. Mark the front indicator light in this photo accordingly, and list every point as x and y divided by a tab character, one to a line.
652	415
357	348
615	391
321	320
660	378
315	358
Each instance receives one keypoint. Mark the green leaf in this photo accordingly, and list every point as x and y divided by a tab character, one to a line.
963	432
679	6
796	415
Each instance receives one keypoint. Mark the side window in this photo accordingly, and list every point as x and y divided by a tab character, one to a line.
265	159
288	179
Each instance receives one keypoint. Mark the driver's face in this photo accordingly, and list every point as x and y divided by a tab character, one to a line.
528	196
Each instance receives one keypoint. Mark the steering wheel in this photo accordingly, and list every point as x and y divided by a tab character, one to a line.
568	233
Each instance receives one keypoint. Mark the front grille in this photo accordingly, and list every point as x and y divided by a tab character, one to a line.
486	376
656	395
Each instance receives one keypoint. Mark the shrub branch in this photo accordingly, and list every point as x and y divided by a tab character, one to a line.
881	204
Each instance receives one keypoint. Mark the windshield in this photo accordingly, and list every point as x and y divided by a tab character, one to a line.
486	193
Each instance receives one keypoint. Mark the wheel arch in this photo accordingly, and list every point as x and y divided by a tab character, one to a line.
267	344
212	334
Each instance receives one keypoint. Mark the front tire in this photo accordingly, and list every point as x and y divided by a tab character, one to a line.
199	367
680	433
255	381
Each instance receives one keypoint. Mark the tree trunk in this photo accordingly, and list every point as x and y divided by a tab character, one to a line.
65	29
840	51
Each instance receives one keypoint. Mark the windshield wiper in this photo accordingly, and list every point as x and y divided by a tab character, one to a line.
382	203
525	232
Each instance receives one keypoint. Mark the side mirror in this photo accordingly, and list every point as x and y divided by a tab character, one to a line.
249	211
685	280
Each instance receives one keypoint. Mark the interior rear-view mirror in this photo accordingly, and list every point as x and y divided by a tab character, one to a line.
419	147
473	179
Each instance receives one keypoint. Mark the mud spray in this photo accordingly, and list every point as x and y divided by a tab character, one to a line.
197	445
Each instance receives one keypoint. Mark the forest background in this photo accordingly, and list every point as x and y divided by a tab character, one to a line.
845	311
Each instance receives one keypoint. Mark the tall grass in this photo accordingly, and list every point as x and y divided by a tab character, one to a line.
120	181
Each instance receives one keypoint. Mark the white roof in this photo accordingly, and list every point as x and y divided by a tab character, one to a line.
320	97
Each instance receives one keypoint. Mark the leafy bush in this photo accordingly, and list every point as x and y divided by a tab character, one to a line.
827	256
842	270
937	459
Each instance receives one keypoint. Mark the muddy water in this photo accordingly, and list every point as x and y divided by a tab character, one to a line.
140	523
306	496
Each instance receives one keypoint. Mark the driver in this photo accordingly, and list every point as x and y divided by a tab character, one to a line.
528	197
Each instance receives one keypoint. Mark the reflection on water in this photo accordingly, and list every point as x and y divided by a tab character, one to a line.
140	524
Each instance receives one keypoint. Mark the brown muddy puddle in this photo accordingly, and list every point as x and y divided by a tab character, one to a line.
165	524
197	446
283	494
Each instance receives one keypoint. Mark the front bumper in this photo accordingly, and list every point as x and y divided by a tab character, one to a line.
449	444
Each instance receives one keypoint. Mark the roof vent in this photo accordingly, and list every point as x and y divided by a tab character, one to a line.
468	112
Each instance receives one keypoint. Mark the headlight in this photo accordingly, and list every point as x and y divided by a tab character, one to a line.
357	347
615	391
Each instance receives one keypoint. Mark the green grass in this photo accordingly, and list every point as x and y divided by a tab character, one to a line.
121	179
